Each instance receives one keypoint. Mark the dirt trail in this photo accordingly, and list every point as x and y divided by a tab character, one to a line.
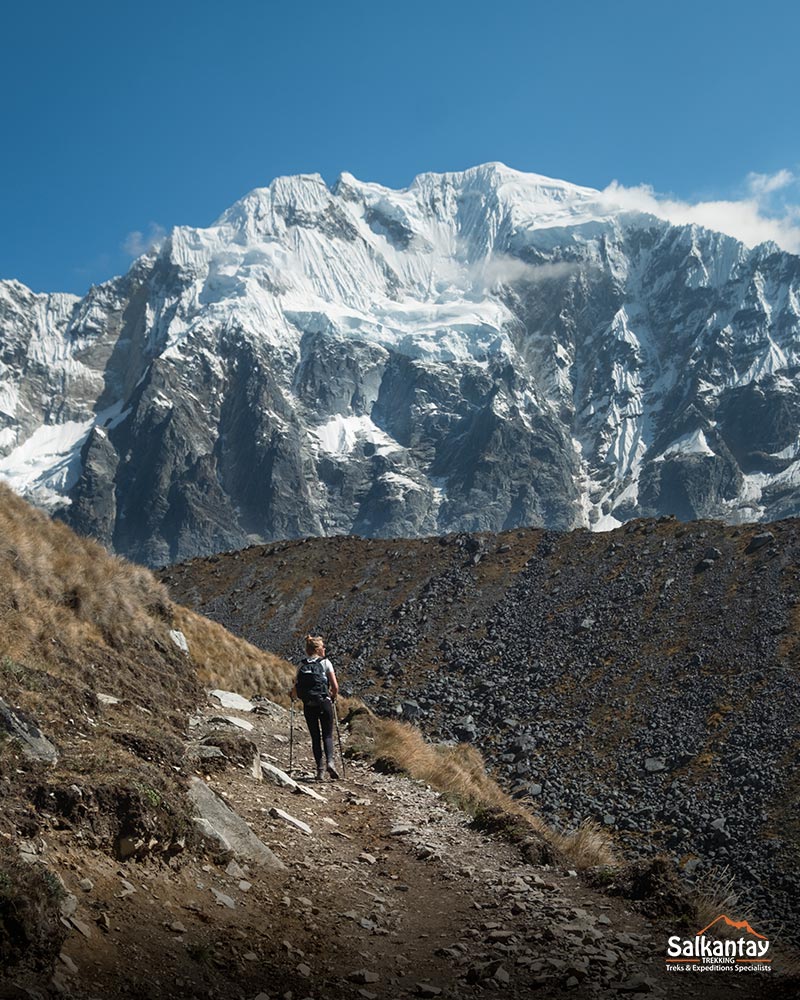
394	894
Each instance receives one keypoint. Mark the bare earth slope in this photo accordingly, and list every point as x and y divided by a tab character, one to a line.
393	894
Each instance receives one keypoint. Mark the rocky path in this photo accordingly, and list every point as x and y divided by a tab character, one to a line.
392	893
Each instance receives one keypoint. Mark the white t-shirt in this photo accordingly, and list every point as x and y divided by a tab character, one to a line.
326	663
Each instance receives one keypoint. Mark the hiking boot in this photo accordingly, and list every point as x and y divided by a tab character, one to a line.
320	773
332	770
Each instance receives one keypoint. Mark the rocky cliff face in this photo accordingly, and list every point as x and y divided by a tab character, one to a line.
478	351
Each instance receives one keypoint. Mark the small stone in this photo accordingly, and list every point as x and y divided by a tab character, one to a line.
223	900
177	927
428	990
363	976
304	970
35	745
81	927
305	790
759	541
69	904
68	963
654	764
250	956
180	640
369	858
500	935
245	886
232	720
229	699
276	775
127	847
401	829
86	884
287	818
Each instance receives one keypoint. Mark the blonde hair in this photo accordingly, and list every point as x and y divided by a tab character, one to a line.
315	644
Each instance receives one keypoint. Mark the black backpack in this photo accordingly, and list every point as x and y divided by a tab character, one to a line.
312	682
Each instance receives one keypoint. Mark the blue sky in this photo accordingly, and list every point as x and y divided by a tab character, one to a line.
129	118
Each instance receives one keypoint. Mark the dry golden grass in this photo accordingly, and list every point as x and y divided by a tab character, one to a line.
67	605
459	773
57	586
225	661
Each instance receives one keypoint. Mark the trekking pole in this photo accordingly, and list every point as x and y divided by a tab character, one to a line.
291	735
339	736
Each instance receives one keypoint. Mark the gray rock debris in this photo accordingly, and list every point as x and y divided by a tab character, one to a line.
759	541
219	821
229	699
180	641
35	746
291	820
231	720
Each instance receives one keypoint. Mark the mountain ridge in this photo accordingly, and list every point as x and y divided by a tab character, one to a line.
481	350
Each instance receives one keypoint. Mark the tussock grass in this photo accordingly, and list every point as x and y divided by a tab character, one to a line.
715	893
55	585
459	773
66	604
225	661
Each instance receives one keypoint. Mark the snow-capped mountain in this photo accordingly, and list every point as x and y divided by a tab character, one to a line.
480	350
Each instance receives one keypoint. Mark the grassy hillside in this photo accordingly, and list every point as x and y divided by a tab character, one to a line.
78	628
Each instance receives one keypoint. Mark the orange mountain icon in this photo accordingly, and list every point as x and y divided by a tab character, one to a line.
738	925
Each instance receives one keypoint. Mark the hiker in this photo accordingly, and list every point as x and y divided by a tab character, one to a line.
316	686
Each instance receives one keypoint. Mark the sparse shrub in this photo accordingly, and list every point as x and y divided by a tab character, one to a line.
653	886
31	932
200	952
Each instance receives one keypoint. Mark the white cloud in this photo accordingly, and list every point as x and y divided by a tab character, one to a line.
764	213
761	184
136	243
501	269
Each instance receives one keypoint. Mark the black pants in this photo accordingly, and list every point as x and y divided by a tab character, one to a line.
319	719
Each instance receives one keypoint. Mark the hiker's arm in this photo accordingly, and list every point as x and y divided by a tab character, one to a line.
332	683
